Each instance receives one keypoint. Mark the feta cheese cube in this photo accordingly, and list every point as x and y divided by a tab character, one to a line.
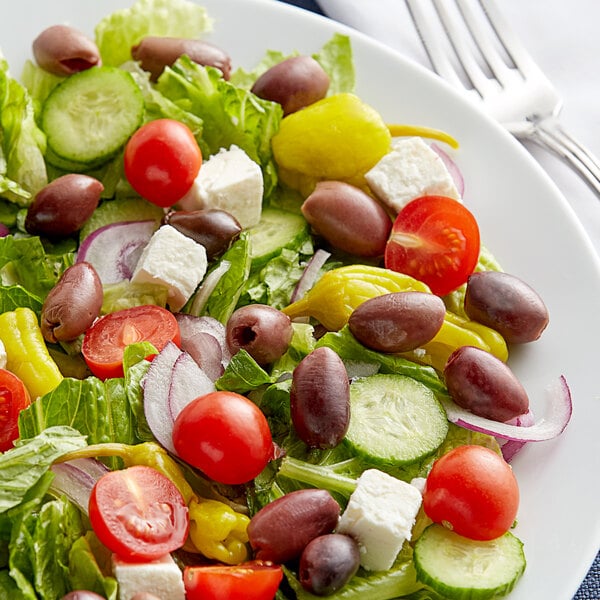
411	169
380	515
229	180
161	577
174	260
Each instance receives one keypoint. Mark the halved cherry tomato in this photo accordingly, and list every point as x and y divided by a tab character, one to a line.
104	342
225	435
138	513
14	397
255	580
472	490
162	160
436	240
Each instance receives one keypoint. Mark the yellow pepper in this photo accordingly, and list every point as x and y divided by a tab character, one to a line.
339	291
218	532
426	132
26	352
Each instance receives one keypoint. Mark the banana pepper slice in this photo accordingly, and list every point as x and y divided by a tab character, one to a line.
218	532
339	291
27	355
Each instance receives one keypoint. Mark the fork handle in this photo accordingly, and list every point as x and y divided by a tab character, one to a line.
549	134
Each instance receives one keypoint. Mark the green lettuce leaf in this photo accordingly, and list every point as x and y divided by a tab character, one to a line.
22	143
242	374
119	31
22	466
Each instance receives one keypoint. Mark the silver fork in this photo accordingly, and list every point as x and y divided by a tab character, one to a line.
471	45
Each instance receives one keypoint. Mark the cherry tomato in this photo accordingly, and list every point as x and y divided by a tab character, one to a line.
161	161
225	435
436	240
104	342
14	397
255	580
472	490
138	513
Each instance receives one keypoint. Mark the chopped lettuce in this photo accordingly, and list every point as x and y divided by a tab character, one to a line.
119	31
22	144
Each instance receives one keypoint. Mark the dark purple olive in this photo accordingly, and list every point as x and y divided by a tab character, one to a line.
155	53
294	83
484	385
72	304
82	595
63	206
281	530
348	218
328	563
320	399
215	229
63	50
507	304
397	322
261	330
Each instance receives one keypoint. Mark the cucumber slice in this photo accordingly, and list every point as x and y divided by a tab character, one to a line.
89	116
394	420
277	229
462	569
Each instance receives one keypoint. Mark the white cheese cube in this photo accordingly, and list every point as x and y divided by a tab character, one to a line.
380	516
411	169
174	260
3	356
229	180
161	577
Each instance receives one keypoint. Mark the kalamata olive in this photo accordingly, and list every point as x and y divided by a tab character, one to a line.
155	53
82	595
328	563
263	331
483	384
348	218
507	304
63	206
320	399
294	83
281	530
72	304
397	322
215	229
63	50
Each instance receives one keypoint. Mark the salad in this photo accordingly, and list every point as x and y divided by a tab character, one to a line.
220	370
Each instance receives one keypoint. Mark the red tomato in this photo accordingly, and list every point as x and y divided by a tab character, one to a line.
436	240
138	513
104	342
14	397
472	490
225	435
162	160
256	580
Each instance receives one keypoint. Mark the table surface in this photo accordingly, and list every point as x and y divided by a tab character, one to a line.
590	587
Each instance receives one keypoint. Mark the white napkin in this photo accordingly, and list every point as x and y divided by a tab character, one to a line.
563	39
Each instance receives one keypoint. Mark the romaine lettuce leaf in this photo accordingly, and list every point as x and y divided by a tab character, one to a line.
22	143
119	31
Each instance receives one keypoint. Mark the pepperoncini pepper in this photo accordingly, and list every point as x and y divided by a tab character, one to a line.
27	355
218	532
426	132
339	291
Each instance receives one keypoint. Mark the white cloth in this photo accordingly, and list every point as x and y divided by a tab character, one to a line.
562	36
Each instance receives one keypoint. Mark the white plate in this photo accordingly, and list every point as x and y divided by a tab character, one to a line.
524	221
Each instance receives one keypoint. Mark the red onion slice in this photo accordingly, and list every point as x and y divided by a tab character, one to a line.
511	447
310	274
208	287
76	478
559	410
453	169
